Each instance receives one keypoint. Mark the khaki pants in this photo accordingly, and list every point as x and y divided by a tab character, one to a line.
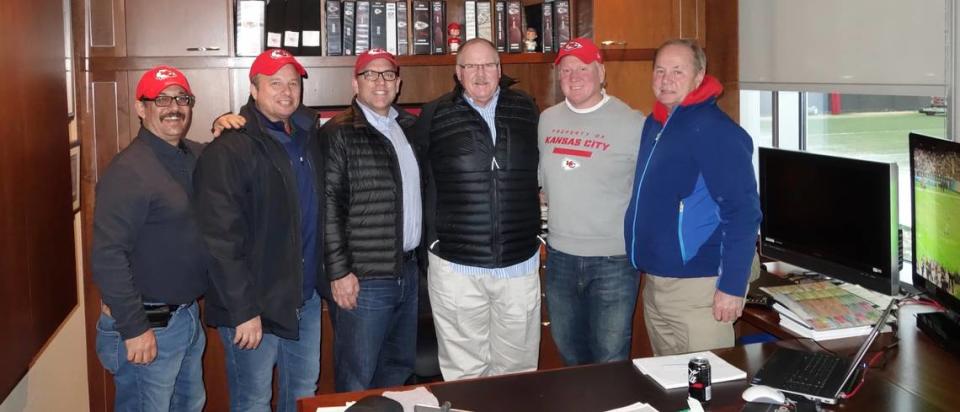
485	326
678	313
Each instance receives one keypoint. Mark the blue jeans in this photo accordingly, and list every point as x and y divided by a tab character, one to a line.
591	301
173	381
250	372
375	344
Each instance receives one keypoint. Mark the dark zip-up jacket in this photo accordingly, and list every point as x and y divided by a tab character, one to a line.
482	212
694	211
249	214
364	197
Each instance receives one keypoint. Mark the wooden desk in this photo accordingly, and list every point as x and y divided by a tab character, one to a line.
917	376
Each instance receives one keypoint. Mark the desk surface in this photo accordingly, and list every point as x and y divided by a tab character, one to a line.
918	375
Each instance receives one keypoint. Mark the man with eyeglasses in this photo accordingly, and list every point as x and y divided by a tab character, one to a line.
373	226
479	145
588	152
259	197
149	258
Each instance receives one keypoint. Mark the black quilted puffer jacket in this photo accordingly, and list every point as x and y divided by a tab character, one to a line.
364	197
481	205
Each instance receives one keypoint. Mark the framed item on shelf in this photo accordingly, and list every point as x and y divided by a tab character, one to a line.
75	174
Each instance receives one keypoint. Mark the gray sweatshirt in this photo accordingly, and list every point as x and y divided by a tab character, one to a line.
587	163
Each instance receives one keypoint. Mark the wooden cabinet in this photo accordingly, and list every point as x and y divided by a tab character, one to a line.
178	27
648	23
156	28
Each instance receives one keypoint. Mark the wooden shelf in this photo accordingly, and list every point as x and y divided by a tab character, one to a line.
208	62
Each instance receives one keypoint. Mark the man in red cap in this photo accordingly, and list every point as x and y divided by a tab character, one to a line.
149	258
373	227
258	193
588	150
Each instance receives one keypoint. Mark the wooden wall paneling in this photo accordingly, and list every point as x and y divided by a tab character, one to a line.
422	84
537	80
723	52
14	299
104	29
36	230
178	27
325	86
634	25
104	129
210	86
691	19
630	81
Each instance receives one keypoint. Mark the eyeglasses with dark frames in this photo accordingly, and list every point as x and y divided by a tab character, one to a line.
164	101
478	66
373	75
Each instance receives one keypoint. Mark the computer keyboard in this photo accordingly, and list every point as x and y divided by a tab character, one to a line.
811	372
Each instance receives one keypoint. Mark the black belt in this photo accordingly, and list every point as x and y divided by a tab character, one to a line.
409	255
172	308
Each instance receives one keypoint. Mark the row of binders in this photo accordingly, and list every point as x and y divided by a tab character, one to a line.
402	27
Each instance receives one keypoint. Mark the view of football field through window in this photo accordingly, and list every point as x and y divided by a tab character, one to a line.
862	131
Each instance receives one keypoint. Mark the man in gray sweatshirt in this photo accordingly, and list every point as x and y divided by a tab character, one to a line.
588	152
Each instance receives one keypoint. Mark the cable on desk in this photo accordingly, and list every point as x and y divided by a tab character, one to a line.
866	366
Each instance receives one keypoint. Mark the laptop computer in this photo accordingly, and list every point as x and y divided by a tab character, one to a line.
819	376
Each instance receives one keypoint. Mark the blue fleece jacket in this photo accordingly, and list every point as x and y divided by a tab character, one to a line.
694	211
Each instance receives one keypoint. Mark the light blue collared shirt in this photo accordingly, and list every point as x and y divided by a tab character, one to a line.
531	265
409	173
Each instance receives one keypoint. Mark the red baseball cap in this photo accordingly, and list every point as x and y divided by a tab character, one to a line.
363	59
272	60
158	78
581	47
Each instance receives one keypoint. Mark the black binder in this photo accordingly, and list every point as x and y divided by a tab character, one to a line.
438	24
349	27
378	24
292	25
421	27
311	26
362	31
274	26
403	47
334	26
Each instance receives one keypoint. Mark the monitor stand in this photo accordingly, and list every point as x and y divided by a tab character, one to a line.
943	328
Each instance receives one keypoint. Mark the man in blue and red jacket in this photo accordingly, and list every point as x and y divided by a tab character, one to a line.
692	220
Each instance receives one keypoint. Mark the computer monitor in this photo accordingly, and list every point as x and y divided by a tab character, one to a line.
831	215
935	181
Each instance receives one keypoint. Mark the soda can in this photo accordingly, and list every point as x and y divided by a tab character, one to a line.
698	376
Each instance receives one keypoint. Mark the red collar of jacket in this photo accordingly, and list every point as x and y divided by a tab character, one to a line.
709	87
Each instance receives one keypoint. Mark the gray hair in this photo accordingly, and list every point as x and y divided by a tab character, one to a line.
699	57
476	41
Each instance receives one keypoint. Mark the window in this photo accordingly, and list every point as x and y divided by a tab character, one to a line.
862	126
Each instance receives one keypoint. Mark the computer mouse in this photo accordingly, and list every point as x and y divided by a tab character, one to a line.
764	394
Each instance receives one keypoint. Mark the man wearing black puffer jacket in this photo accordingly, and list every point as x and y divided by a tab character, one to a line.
372	230
479	145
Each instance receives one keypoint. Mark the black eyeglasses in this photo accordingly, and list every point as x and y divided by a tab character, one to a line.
164	101
372	76
470	67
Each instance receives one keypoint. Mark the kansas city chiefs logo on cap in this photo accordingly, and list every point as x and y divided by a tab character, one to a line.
376	51
279	54
572	45
164	74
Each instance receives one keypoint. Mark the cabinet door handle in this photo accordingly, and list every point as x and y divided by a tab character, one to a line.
613	43
200	49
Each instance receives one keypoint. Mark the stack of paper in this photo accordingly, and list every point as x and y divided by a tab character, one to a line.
823	310
671	371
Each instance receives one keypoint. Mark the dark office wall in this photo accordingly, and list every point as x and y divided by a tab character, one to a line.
38	284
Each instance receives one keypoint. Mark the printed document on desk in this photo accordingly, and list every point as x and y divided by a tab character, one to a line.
670	372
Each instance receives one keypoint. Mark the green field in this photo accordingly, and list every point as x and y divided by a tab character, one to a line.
880	136
938	228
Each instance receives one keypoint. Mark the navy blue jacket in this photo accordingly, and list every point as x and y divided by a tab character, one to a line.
694	211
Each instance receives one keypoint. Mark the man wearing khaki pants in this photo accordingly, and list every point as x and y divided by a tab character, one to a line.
692	221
